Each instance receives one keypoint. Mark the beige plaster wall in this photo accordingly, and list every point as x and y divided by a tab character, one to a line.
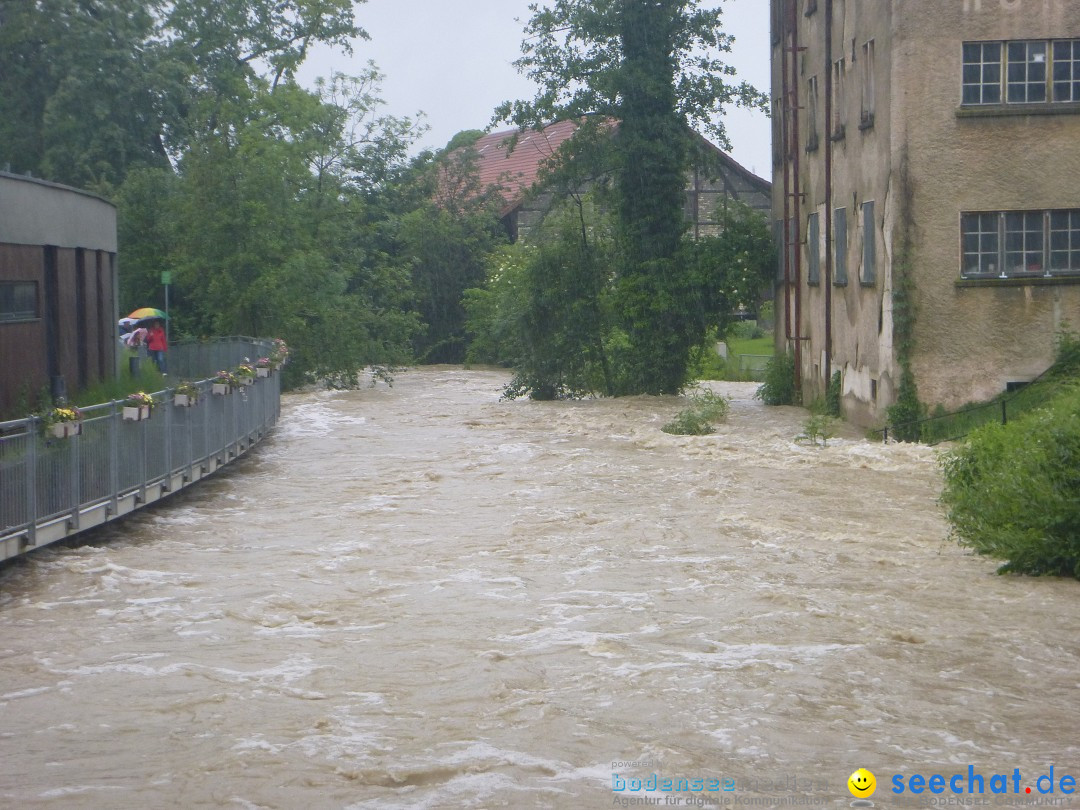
972	340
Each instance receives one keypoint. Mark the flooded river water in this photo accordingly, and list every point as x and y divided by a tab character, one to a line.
421	596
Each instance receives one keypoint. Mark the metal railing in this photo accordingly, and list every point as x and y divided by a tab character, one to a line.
52	488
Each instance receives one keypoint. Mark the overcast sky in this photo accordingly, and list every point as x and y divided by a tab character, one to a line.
452	60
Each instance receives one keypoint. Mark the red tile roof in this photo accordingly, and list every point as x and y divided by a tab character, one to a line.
517	171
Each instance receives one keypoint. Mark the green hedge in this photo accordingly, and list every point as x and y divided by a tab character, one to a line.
1013	491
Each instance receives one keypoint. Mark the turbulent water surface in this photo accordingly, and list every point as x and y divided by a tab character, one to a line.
423	596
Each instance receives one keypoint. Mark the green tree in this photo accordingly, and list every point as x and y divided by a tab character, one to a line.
446	241
655	68
91	88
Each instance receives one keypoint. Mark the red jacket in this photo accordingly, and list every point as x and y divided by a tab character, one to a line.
155	339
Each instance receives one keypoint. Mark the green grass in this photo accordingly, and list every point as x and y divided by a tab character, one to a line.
148	380
710	366
762	345
1061	376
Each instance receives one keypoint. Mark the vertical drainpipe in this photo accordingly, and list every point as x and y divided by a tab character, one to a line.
785	230
828	191
796	199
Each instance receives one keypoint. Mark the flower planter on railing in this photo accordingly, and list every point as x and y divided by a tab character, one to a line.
262	371
136	413
64	430
221	389
184	400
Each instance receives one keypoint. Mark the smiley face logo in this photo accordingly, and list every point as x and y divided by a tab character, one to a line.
862	784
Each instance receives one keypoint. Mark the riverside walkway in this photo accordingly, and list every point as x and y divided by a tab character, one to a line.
53	487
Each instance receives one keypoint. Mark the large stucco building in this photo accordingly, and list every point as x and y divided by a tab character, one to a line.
927	164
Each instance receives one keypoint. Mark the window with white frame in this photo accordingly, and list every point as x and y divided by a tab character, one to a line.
1008	244
1066	71
866	115
1021	72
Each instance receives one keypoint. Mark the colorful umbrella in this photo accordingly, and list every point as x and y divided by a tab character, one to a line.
144	313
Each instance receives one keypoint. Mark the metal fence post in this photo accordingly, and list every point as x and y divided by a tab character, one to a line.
76	473
114	458
31	480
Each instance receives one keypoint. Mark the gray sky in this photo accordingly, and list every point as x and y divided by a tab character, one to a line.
452	60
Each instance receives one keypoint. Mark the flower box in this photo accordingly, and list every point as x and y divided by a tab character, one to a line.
136	414
247	380
184	400
62	430
262	372
220	389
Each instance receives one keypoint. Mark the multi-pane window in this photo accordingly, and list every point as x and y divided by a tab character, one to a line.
869	244
1066	72
18	301
1026	73
1064	240
840	246
981	243
1020	243
813	249
1021	72
982	73
1023	241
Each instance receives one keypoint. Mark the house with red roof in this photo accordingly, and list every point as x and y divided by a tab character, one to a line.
514	166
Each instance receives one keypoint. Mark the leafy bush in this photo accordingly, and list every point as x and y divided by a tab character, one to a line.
746	330
904	416
818	428
1011	490
834	395
705	409
779	385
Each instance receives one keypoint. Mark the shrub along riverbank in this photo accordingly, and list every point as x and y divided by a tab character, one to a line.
1012	491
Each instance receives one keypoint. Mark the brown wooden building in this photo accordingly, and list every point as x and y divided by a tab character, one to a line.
58	305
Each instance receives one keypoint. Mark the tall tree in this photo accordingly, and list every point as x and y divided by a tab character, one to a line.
655	67
91	88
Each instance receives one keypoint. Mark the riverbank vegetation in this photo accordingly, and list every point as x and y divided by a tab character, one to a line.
1011	490
303	212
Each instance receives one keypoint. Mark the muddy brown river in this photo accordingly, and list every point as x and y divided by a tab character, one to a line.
420	596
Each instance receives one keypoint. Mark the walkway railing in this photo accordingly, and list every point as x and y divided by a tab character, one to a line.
52	488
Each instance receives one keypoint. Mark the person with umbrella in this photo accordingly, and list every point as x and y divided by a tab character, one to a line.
156	341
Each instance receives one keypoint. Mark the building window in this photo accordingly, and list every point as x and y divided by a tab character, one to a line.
866	114
1008	244
1026	72
1021	72
840	246
981	242
811	114
1067	71
1064	241
869	251
813	250
18	301
838	100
